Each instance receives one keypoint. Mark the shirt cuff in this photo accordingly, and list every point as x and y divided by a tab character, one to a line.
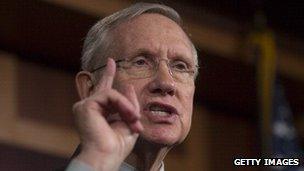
76	165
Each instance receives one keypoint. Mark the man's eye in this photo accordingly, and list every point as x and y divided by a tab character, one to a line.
180	66
140	61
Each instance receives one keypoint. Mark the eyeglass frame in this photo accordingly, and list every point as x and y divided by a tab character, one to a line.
122	60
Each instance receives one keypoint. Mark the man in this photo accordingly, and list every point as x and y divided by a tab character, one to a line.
136	90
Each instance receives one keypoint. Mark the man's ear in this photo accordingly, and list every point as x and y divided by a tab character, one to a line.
84	83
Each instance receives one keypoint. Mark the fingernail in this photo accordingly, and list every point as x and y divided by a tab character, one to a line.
109	61
137	127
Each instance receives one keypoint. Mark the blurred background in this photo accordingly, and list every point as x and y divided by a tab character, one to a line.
249	97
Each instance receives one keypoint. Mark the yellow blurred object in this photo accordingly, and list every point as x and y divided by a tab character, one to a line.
263	42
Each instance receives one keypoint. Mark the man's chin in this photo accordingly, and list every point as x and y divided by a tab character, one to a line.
158	143
162	137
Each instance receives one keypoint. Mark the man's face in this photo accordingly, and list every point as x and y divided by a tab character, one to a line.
160	37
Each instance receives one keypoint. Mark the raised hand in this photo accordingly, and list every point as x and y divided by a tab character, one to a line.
108	123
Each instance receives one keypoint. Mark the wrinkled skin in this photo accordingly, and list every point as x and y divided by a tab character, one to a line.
125	99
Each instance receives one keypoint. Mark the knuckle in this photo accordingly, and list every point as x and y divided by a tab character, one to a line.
76	107
88	104
84	106
112	92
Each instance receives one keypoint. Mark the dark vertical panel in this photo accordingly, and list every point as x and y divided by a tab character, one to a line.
19	159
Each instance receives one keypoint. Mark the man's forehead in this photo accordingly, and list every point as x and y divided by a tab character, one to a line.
151	31
150	22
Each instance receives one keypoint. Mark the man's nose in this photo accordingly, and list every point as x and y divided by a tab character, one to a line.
163	82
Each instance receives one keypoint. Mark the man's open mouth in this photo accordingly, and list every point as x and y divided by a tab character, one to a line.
160	112
160	109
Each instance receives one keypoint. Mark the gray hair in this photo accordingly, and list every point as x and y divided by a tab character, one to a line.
97	42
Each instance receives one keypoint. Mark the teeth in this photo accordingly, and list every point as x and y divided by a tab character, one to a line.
157	108
160	113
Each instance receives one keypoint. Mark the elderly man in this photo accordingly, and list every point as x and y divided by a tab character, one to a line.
136	90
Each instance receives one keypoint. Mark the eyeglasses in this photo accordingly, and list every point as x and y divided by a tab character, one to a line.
145	67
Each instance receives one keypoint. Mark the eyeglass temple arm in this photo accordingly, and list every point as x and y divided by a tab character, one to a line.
100	67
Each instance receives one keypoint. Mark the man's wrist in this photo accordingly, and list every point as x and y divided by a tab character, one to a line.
99	161
76	165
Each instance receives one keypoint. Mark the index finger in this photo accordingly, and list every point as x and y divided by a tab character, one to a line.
107	78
